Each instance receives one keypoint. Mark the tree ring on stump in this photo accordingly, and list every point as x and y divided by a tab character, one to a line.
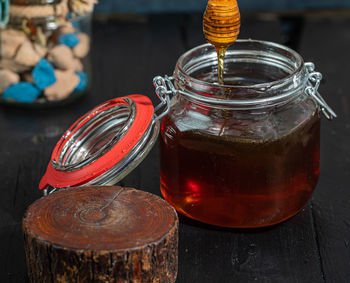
109	234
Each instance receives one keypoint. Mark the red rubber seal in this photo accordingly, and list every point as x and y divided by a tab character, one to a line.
143	118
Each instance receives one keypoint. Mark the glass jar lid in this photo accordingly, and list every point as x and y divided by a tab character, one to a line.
104	145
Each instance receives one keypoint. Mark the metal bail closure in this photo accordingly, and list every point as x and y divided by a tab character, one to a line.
161	88
314	80
104	145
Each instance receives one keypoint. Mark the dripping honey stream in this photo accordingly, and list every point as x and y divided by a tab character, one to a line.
221	25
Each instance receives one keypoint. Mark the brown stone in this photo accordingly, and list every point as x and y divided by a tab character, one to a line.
66	82
61	56
78	65
82	48
10	64
82	7
10	40
40	50
7	78
26	55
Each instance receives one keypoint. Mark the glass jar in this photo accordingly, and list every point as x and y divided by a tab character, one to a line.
45	52
245	154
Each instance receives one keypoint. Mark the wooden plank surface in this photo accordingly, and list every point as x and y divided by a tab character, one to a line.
190	6
327	44
311	247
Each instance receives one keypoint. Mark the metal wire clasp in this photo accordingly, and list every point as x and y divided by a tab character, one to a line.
49	191
314	80
164	88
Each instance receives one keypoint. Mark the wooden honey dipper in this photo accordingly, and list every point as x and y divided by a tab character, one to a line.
221	24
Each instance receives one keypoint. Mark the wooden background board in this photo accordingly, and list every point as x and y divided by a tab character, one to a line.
311	247
190	6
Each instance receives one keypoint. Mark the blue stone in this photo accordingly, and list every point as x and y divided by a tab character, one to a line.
69	16
83	81
22	92
69	39
76	25
43	74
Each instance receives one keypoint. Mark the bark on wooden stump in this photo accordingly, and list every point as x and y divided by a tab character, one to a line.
101	234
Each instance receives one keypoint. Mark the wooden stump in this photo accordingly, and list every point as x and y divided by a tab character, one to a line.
101	234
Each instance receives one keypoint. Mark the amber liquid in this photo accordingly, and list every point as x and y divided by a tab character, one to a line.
235	182
221	25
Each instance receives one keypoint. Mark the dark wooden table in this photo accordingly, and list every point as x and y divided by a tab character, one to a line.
313	246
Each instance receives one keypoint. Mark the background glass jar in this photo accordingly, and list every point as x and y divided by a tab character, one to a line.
245	154
44	52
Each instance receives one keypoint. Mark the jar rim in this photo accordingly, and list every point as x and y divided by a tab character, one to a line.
280	89
48	22
299	58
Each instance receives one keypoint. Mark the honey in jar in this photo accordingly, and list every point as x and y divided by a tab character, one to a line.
247	159
233	181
